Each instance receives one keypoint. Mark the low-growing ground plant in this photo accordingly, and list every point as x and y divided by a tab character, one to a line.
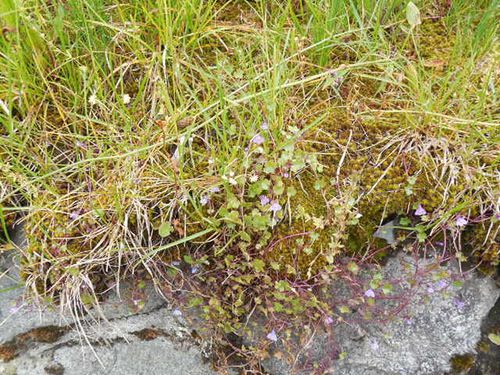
244	156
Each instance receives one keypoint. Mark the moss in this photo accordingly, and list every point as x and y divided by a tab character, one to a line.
47	334
379	172
434	42
8	352
67	229
484	236
54	368
148	334
462	363
313	236
237	14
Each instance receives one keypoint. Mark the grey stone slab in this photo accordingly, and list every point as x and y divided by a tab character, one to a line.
440	327
114	340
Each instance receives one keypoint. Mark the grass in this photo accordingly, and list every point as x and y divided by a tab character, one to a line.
238	147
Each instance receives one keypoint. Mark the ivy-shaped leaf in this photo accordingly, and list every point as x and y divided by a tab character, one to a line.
494	338
165	229
258	265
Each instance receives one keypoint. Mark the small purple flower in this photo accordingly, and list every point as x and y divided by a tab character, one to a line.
204	200
265	125
177	312
420	211
81	144
272	336
430	290
264	200
195	269
441	284
176	263
74	215
258	139
497	216
275	206
215	189
286	175
14	309
329	320
461	221
374	344
370	293
458	303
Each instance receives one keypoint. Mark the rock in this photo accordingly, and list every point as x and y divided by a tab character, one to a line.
434	330
116	340
437	331
488	358
157	340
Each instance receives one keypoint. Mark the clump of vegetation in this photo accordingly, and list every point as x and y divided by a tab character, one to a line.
243	155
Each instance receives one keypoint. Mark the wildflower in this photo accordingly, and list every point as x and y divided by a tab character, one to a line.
204	200
210	161
258	139
195	269
461	221
93	99
177	312
328	320
286	175
14	309
272	336
80	144
441	284
265	125
176	263
458	303
420	211
126	99
215	189
370	293
374	344
264	200
430	290
74	215
232	181
275	207
254	178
